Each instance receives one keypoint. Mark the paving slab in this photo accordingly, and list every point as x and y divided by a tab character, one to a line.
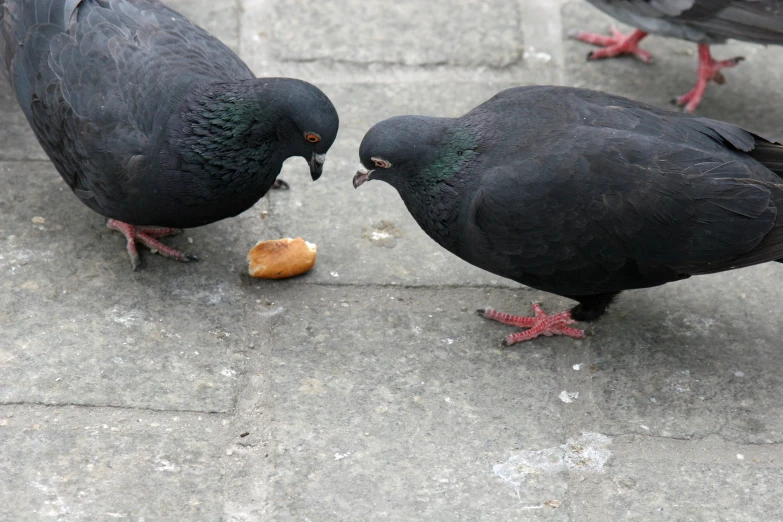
692	359
119	351
659	479
707	379
362	387
399	41
688	360
369	389
80	327
87	464
219	18
407	32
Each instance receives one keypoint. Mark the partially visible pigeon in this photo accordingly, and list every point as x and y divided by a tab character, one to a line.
151	121
702	21
583	194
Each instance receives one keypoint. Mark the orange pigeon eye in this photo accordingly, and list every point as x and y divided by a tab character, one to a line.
312	137
381	163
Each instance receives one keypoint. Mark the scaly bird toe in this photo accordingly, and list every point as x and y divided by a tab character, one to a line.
616	45
148	236
541	324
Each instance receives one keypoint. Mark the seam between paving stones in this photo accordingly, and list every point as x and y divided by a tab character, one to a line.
518	62
25	160
387	77
114	407
621	439
408	286
246	401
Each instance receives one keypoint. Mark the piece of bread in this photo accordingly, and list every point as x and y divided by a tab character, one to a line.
281	258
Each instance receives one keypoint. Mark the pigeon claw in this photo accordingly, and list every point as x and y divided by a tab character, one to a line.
148	236
616	45
709	70
541	324
280	184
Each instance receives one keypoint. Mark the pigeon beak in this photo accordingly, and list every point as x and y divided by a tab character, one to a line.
361	176
317	165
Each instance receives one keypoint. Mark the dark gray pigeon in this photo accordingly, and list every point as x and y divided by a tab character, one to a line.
705	22
583	194
151	121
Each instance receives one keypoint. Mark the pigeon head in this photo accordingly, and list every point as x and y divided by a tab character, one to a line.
308	120
247	128
412	151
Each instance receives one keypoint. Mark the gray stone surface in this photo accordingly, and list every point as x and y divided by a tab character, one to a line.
368	389
219	18
363	446
703	480
331	42
408	32
93	464
80	328
703	348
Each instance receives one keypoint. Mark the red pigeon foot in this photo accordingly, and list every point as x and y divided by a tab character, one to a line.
541	324
709	69
280	184
615	45
148	236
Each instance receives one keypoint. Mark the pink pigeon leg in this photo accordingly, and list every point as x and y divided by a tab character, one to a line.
148	236
541	324
159	232
709	69
616	45
501	317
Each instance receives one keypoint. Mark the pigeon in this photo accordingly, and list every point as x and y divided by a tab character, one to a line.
583	194
705	22
150	120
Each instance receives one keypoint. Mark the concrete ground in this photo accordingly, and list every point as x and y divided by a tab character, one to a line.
368	389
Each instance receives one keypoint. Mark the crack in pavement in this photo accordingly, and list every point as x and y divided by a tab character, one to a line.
114	407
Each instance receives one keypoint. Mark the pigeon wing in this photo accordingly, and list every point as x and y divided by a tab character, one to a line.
97	84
